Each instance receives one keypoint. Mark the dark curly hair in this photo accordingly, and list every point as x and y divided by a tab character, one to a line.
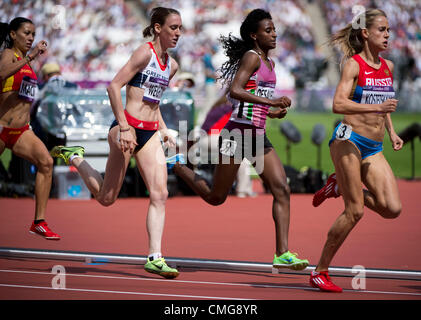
235	48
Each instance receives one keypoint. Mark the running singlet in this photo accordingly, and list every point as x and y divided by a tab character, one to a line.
24	81
372	86
154	79
261	83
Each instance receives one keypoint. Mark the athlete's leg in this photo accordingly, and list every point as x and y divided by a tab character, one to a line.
31	148
150	160
275	179
382	195
223	178
347	161
106	190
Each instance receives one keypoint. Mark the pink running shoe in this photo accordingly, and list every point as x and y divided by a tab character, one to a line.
43	230
328	191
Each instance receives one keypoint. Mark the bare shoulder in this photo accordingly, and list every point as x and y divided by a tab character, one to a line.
7	55
143	51
174	66
251	56
350	68
390	64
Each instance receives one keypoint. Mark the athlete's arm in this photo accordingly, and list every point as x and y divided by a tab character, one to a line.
138	61
397	142
341	102
9	64
249	64
166	137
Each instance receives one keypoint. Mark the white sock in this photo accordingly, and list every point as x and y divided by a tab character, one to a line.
336	189
154	256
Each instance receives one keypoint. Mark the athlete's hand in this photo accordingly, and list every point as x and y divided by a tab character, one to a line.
40	48
282	102
127	141
277	113
168	139
388	106
397	142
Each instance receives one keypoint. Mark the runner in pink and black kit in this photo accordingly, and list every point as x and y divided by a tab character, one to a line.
250	75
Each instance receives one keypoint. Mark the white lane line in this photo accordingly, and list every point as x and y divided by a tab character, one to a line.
210	283
123	292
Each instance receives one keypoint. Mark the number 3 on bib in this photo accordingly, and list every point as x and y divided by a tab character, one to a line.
344	132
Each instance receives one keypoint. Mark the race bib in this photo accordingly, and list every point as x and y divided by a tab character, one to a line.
228	147
265	89
343	132
155	89
27	90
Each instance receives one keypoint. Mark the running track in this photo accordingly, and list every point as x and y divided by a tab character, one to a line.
238	230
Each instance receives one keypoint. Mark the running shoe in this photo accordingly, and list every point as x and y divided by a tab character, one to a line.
159	266
328	191
171	161
322	281
289	260
66	152
44	231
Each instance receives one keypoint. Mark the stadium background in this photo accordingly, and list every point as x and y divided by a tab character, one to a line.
91	40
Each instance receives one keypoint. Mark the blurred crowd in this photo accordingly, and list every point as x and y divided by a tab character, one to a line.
92	39
88	38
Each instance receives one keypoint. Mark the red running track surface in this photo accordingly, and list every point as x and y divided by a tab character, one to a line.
239	230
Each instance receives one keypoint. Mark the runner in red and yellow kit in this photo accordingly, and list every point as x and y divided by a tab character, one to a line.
18	85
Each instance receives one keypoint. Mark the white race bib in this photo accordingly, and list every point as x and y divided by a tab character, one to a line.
154	89
28	89
344	132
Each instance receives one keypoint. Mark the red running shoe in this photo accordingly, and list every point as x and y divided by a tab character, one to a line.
328	191
43	230
322	281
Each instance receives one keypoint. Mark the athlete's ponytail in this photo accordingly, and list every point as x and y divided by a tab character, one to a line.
4	34
6	28
350	39
235	48
158	15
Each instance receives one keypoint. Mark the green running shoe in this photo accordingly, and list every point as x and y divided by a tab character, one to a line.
289	260
66	152
159	266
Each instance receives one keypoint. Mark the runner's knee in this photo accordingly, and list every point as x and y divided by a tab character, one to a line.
392	211
158	195
45	164
216	200
388	210
280	189
107	200
354	212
